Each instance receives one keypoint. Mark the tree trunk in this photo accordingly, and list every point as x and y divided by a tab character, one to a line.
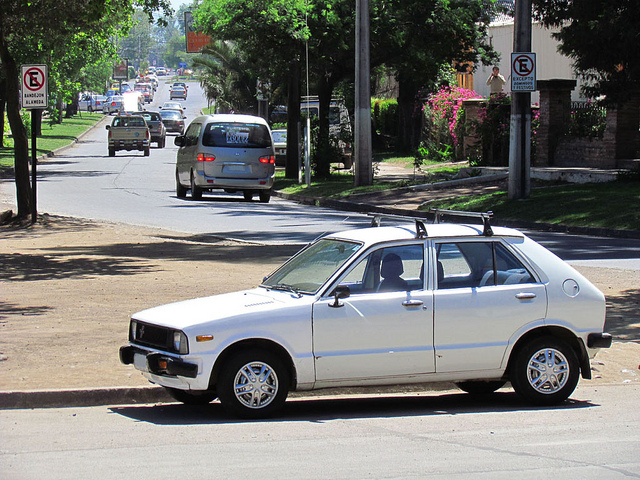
293	119
409	116
3	101
323	152
18	131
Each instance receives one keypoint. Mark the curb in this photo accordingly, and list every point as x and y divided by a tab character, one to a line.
89	397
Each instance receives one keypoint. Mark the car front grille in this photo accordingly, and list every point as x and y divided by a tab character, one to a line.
151	335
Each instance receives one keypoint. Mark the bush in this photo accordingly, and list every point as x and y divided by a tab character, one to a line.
384	116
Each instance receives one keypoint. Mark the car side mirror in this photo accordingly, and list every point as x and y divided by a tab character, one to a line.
179	141
108	127
341	291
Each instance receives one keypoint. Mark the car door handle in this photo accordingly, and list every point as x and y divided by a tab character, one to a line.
412	303
525	296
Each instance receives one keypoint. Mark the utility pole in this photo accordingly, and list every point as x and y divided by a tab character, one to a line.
520	136
362	136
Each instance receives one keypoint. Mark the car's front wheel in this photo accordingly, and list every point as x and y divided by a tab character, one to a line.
253	384
545	371
192	397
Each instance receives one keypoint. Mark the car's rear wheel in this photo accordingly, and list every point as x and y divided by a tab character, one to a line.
265	195
187	397
196	191
181	191
479	387
112	152
253	384
545	371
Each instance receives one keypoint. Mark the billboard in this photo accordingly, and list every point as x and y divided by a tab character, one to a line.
195	40
121	70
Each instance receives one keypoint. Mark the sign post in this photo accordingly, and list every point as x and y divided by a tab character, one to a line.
35	96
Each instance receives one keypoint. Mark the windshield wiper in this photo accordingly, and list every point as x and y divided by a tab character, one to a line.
283	287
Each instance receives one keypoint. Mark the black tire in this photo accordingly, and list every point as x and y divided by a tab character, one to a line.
187	397
162	142
242	373
147	151
265	196
196	191
112	152
181	191
248	195
479	387
530	374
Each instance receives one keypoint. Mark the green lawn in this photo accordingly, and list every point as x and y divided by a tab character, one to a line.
53	136
604	205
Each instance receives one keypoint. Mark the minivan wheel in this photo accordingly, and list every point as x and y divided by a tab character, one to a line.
248	195
265	196
253	384
181	191
545	371
196	191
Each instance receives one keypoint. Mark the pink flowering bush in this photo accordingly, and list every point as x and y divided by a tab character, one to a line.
445	107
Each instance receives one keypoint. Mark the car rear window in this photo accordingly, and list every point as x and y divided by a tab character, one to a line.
151	117
226	134
171	115
129	122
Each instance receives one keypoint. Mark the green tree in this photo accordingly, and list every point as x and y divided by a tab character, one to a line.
601	36
30	32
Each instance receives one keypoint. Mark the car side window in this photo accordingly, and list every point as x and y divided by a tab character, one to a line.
478	264
391	269
192	135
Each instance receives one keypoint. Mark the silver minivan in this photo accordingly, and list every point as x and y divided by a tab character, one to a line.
226	151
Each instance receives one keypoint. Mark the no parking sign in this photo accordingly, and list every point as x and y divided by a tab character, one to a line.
523	72
35	92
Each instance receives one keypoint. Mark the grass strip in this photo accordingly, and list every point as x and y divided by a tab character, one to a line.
53	136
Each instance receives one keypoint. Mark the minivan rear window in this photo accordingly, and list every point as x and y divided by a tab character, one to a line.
226	134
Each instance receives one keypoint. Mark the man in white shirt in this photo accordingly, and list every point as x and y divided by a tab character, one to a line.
496	81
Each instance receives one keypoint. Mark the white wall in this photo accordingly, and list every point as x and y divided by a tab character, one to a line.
550	64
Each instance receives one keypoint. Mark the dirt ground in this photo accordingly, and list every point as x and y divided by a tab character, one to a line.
69	286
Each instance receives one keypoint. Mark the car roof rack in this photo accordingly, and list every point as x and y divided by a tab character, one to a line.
437	213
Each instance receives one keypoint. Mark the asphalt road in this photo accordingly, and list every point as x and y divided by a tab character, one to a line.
84	181
437	435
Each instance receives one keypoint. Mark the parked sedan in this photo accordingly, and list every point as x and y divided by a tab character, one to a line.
173	120
91	102
407	304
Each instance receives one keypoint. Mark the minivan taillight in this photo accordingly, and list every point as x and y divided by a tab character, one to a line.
206	158
268	159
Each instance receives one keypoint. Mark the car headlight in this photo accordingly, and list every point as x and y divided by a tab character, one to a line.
180	344
132	332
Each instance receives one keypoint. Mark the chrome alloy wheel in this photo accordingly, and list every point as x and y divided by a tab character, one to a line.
256	385
548	371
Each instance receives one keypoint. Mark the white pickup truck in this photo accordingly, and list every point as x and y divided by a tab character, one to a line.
129	132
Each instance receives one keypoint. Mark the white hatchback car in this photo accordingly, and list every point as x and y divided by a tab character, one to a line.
226	151
382	306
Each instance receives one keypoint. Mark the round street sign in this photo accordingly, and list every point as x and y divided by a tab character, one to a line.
523	72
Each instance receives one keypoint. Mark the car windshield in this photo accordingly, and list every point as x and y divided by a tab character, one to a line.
171	115
312	267
228	134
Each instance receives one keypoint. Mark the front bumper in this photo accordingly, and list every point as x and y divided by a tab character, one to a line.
157	363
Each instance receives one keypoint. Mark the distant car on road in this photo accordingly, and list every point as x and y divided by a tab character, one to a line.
157	130
173	106
114	104
229	152
128	132
178	92
173	120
